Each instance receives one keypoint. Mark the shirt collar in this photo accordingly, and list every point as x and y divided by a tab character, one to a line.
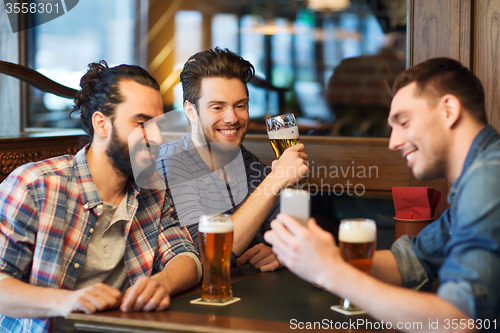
91	197
479	144
90	194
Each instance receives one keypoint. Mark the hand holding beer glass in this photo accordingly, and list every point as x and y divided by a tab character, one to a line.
216	241
283	133
357	243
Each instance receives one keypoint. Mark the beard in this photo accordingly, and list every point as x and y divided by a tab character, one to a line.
118	153
120	156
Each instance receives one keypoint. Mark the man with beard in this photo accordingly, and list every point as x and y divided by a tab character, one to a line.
210	172
439	125
77	233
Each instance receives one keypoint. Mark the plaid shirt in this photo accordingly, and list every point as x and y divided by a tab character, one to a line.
47	211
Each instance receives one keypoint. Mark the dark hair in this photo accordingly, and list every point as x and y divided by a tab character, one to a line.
440	76
100	90
213	63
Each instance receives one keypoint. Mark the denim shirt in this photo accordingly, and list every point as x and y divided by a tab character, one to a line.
462	247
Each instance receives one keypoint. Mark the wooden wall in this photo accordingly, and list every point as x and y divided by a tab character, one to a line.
20	150
337	164
485	53
466	30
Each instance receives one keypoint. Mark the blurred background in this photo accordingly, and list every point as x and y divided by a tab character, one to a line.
330	62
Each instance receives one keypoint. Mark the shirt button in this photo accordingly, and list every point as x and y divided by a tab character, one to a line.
91	230
77	265
99	206
86	206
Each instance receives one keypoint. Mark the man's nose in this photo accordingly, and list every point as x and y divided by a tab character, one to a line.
152	134
396	140
230	116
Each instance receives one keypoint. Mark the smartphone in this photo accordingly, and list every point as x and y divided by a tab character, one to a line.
296	203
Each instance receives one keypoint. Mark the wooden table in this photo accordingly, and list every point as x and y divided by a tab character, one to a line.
270	302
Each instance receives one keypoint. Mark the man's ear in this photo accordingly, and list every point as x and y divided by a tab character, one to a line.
101	124
451	109
190	111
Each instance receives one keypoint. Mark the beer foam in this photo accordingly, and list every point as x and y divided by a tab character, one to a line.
215	224
284	133
215	228
358	232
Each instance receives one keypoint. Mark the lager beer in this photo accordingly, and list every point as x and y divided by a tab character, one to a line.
283	138
216	240
357	243
283	133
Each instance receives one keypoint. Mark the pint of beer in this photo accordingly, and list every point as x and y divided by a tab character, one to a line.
216	241
283	133
357	243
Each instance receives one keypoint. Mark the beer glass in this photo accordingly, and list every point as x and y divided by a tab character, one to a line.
283	133
216	242
357	243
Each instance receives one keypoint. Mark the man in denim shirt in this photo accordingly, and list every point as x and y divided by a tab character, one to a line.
439	125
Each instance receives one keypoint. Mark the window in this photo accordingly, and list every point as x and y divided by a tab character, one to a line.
336	59
62	48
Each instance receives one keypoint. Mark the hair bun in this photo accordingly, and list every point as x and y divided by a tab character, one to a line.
93	73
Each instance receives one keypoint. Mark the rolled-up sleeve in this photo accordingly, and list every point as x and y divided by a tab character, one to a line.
18	224
174	240
412	272
420	258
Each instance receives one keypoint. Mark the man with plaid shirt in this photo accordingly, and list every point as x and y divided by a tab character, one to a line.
81	233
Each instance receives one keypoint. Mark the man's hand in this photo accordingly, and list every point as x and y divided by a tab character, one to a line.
260	256
291	166
146	294
98	297
307	251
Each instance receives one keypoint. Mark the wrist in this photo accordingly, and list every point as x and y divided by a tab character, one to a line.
162	280
274	184
60	304
330	276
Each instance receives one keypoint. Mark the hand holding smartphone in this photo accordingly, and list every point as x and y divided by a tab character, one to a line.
296	203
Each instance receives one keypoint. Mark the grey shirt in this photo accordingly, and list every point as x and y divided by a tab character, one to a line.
196	190
104	261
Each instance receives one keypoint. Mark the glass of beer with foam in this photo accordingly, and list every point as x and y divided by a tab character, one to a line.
357	243
216	242
283	133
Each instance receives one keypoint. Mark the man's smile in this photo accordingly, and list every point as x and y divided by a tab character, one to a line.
229	132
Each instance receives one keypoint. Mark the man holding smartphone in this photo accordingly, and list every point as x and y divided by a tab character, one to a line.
439	125
209	171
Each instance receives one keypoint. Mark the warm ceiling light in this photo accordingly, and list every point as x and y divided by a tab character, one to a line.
328	5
